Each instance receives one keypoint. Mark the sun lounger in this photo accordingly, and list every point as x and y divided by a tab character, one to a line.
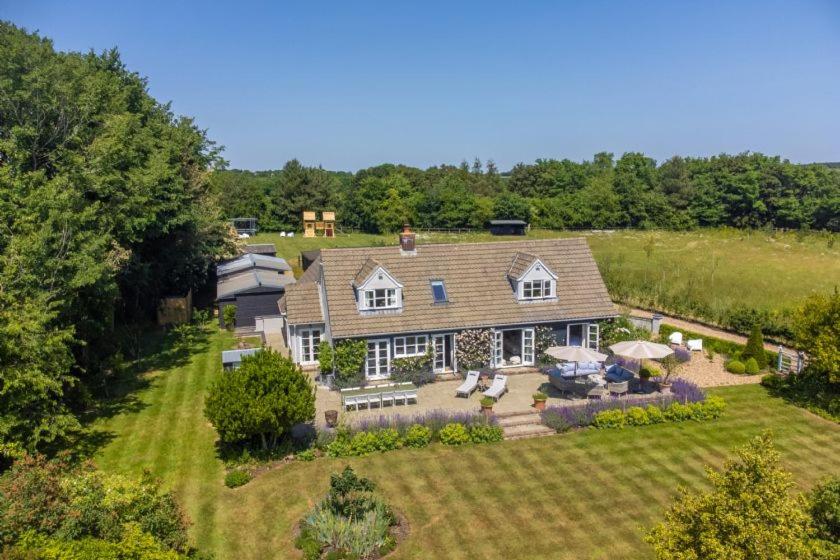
695	344
675	338
497	388
468	386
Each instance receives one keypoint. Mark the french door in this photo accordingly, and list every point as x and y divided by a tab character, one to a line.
309	341
497	349
527	347
378	360
443	345
592	335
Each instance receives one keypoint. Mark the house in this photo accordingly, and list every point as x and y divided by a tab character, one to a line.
253	283
507	227
404	300
232	359
267	249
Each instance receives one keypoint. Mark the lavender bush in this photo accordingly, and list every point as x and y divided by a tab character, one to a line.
561	418
682	355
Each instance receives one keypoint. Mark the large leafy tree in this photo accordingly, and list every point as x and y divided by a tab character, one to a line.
104	207
816	327
261	400
749	514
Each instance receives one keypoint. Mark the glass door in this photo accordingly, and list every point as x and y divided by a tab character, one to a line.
592	335
527	347
439	342
497	349
378	359
309	341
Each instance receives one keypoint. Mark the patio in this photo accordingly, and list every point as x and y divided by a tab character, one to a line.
519	397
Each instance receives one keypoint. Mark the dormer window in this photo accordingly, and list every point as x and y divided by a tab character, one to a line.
537	289
531	279
376	289
382	298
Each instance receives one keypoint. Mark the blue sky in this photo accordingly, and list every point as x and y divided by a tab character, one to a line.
352	84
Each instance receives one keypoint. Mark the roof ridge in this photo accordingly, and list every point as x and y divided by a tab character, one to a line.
469	243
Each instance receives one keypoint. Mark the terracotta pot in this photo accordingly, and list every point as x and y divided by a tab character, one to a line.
539	404
665	388
331	417
487	410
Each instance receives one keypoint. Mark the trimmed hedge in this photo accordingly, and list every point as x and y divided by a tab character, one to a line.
709	409
751	367
736	367
454	434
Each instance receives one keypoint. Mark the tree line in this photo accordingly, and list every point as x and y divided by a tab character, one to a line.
105	206
748	190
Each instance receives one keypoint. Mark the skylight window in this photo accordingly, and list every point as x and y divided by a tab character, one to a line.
438	291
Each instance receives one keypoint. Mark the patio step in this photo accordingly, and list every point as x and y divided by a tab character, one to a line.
527	431
518	420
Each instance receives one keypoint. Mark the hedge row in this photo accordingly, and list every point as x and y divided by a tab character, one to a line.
387	439
709	409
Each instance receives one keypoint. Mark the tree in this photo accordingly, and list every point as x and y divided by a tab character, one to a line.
749	514
511	206
229	316
69	503
816	328
261	400
755	347
824	506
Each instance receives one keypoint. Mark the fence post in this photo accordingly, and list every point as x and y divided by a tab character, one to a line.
779	360
799	361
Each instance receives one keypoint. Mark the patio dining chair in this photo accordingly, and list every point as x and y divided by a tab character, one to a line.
389	396
351	400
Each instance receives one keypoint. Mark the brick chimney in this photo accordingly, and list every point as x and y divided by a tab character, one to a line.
407	238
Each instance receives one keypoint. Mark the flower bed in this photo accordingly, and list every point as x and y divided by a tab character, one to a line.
611	412
387	433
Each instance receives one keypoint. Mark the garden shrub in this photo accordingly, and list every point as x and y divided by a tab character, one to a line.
677	412
418	435
734	366
486	433
325	357
554	418
414	369
610	419
751	367
229	317
454	434
306	455
350	522
472	348
648	371
713	407
824	507
755	347
773	381
636	416
237	478
348	359
654	414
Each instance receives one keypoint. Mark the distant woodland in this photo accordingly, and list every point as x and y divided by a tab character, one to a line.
748	190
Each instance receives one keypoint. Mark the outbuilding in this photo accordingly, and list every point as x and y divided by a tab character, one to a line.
232	359
508	227
254	292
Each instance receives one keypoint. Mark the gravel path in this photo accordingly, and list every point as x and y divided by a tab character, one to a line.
707	373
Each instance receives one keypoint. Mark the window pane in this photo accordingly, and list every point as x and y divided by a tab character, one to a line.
438	291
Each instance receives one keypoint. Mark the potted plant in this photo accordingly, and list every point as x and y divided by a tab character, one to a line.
670	365
331	416
644	376
539	400
487	405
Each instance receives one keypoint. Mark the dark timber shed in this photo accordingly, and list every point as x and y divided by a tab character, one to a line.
508	227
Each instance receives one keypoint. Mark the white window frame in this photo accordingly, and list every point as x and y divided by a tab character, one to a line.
388	298
379	344
402	345
307	335
544	287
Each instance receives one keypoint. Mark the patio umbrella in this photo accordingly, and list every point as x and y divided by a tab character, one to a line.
641	349
575	354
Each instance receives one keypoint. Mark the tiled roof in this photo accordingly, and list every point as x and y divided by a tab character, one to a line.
249	280
520	264
476	276
252	260
302	302
364	273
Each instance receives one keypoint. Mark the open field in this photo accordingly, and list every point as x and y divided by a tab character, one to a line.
587	494
704	274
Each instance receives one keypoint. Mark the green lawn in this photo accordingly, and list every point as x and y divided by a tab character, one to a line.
587	494
701	274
